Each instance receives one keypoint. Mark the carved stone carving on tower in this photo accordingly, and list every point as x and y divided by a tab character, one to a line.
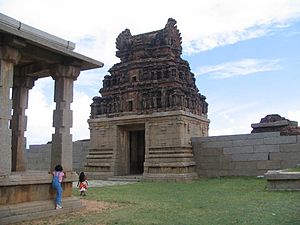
151	77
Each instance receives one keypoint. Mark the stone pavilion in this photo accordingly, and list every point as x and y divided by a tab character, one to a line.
28	54
148	111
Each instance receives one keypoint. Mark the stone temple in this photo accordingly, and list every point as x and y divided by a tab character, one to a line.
148	111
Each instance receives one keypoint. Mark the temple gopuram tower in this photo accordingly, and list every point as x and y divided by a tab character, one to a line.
148	111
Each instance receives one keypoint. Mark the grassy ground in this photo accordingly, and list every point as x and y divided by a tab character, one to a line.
296	169
208	202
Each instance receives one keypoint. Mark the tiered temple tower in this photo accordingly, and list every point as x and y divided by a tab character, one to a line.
149	109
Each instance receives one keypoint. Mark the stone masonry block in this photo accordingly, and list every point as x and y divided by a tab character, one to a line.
227	165
251	165
268	165
211	151
285	156
263	135
203	139
208	159
290	147
289	163
281	140
217	144
210	173
248	142
238	150
196	146
209	166
266	148
250	157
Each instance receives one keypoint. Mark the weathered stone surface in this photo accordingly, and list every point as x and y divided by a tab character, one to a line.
256	153
275	122
151	77
38	209
27	54
148	111
278	180
38	157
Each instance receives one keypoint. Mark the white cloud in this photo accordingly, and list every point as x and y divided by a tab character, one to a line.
81	112
239	68
94	25
229	118
40	114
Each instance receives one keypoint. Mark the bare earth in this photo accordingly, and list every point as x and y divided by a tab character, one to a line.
90	206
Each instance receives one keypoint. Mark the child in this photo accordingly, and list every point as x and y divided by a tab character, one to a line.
58	176
82	183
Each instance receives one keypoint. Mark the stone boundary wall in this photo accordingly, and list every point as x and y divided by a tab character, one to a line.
38	156
231	155
245	154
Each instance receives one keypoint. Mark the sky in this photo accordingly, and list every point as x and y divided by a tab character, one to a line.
245	54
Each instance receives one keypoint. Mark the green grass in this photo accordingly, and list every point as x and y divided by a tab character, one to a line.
296	169
242	201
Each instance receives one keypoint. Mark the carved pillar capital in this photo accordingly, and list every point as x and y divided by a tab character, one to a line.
58	70
24	81
9	54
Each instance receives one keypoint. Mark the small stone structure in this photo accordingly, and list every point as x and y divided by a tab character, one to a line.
275	122
282	180
148	111
28	54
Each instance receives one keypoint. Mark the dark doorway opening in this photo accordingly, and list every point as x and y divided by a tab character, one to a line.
137	151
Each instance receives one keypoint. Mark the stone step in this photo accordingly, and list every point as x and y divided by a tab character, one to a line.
98	164
37	209
99	156
129	178
170	164
100	152
170	151
94	175
168	160
176	155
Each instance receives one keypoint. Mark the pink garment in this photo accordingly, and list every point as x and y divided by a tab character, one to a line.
59	174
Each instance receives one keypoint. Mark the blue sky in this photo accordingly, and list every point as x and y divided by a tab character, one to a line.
245	54
250	79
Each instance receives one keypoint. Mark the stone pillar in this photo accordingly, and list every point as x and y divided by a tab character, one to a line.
8	57
61	152
21	86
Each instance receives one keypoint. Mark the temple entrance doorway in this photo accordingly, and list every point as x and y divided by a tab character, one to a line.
130	150
137	151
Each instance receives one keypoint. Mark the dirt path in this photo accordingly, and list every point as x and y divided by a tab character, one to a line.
90	207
